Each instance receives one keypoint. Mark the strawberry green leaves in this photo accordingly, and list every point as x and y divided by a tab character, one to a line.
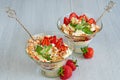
84	49
88	52
60	71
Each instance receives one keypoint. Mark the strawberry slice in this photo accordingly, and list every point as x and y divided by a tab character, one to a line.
73	14
53	39
91	21
80	17
63	48
36	57
66	21
83	17
59	43
45	41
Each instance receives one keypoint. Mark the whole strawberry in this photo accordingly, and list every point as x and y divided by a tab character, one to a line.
88	52
72	64
65	72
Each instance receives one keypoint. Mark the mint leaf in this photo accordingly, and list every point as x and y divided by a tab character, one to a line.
79	27
43	51
38	49
86	24
46	49
83	21
82	25
87	30
73	25
47	56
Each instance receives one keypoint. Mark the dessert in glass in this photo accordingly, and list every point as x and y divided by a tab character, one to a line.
49	51
81	29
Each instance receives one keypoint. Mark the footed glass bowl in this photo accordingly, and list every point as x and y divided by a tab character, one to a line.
79	41
49	69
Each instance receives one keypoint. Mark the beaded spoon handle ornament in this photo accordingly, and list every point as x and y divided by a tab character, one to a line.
107	9
12	14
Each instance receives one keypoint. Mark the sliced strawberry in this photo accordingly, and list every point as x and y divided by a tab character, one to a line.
45	41
72	64
63	48
53	39
66	21
73	14
36	57
65	72
59	43
91	21
85	17
80	17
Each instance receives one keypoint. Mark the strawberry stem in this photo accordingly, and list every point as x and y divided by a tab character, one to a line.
75	62
84	49
60	71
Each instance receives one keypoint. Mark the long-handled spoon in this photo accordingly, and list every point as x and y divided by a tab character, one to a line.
107	9
12	14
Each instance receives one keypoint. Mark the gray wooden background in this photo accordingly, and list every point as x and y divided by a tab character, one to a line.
41	16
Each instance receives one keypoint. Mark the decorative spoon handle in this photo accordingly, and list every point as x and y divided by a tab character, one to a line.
107	9
12	14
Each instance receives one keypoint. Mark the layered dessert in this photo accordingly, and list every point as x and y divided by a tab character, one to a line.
80	28
49	51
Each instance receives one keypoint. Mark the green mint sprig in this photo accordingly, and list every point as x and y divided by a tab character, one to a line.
43	51
84	26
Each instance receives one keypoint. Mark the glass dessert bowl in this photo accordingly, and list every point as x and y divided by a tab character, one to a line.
49	51
80	29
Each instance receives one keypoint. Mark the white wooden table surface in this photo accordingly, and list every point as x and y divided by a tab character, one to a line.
41	16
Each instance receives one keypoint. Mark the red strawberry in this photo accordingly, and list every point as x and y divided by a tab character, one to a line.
73	14
88	52
45	41
72	64
63	48
91	21
66	21
80	17
36	57
83	17
59	43
53	39
65	72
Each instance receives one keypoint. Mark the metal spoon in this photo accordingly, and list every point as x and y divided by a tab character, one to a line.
107	9
12	14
